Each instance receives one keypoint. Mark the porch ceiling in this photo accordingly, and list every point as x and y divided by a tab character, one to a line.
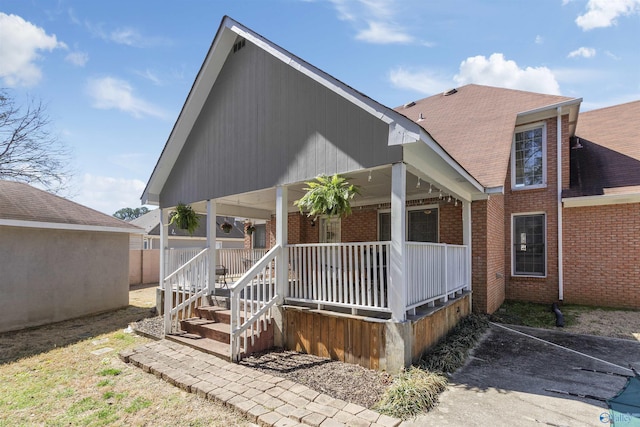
262	204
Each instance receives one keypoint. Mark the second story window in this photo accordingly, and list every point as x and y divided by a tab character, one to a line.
528	164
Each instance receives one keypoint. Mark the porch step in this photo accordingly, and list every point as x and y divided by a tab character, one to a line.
212	347
215	313
207	329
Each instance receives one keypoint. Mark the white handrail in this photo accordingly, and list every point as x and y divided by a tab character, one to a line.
184	288
252	297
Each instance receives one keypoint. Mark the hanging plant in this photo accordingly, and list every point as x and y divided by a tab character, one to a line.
185	218
226	227
250	229
328	196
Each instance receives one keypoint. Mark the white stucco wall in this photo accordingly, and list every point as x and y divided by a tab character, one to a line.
48	275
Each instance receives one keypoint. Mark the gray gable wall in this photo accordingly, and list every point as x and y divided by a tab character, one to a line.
266	124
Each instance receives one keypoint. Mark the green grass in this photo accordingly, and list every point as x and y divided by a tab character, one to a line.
531	314
110	372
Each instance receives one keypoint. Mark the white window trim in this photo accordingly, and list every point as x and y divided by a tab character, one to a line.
519	129
546	244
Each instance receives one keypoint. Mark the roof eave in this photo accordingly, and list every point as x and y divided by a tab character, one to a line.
63	226
570	107
600	200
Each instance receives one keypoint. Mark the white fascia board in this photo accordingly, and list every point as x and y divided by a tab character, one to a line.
196	99
600	200
62	226
570	107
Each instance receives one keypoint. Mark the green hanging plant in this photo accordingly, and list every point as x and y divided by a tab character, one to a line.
328	196
226	227
250	229
185	218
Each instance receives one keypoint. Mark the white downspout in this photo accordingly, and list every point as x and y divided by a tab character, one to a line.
164	247
559	156
211	244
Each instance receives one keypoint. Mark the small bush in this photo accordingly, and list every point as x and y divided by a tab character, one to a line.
412	392
450	353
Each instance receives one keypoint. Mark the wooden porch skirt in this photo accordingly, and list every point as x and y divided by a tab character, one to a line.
372	343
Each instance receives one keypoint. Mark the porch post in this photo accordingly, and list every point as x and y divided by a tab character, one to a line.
466	238
164	247
282	264
397	290
211	244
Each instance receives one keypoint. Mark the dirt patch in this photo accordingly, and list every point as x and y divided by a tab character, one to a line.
607	323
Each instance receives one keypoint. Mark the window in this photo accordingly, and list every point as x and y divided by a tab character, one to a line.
528	156
422	225
260	236
529	251
330	231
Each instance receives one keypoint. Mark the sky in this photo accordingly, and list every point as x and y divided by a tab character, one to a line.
115	74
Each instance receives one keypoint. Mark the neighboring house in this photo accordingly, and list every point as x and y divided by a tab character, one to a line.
462	191
179	238
58	259
144	249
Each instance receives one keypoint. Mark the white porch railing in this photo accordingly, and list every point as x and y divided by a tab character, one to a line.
184	288
352	275
238	261
434	272
252	297
177	257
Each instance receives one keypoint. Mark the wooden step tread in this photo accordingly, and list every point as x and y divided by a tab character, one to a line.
215	348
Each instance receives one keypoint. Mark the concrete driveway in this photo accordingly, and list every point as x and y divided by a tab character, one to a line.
504	382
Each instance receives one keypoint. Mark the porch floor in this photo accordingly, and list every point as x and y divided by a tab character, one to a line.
248	391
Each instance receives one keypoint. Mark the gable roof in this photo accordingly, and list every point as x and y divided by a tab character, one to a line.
22	205
151	224
475	125
606	157
401	129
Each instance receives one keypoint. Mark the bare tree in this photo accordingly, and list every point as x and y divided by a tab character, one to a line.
29	152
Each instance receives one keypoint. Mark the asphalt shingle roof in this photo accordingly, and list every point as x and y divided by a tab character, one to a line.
475	125
22	202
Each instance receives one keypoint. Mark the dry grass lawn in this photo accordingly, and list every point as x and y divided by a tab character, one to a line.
70	374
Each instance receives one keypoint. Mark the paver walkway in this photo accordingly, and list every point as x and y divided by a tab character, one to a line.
264	399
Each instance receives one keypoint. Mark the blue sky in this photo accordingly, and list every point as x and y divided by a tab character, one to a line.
115	74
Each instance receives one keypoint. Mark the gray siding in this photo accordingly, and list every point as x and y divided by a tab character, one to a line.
266	124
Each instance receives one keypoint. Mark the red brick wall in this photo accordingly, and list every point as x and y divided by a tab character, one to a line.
601	252
543	200
487	277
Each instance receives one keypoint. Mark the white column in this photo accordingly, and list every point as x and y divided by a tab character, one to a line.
164	247
282	264
397	288
466	238
211	244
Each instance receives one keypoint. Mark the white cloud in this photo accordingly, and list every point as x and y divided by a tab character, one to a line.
77	58
539	39
498	71
612	55
374	21
383	33
423	81
107	194
583	52
111	93
20	42
604	13
151	76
